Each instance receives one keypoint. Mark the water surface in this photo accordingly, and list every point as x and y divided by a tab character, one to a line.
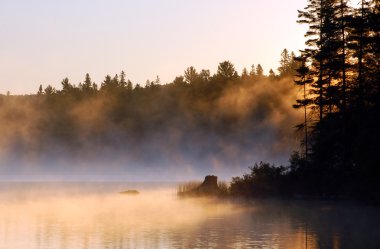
94	215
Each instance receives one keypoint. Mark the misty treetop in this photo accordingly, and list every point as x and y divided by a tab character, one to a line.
199	118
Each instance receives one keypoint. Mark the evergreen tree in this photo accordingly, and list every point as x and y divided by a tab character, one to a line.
244	74
294	63
304	80
285	64
87	86
226	71
191	75
115	82
342	56
317	15
158	80
129	86
107	84
364	42
66	86
40	91
49	90
259	71
204	75
272	75
123	82
252	73
342	19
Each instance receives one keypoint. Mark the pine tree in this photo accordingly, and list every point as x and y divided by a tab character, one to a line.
244	74
304	80
129	86
285	64
340	67
252	73
272	75
158	80
40	91
259	71
86	86
106	84
115	81
365	42
317	15
49	90
191	75
342	23
294	63
204	75
66	86
226	71
123	81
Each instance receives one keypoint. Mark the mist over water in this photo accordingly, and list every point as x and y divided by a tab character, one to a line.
97	165
94	215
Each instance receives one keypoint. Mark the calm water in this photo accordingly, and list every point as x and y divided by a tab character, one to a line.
94	215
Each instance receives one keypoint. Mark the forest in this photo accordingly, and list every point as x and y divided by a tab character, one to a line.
199	119
332	85
339	74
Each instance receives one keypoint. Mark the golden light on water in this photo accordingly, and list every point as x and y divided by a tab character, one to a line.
102	221
93	217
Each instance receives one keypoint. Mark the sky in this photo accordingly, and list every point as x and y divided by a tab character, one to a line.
44	41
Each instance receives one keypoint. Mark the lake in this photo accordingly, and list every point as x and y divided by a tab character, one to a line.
93	216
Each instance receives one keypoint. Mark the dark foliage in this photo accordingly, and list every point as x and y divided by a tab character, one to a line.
339	75
264	180
342	157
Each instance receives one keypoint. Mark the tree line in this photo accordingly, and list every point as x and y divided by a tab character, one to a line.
198	116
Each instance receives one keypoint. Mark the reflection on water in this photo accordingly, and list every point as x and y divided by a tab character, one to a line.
94	216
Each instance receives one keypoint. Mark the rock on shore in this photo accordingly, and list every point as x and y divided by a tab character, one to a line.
209	187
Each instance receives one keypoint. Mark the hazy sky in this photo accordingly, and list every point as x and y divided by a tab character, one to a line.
43	41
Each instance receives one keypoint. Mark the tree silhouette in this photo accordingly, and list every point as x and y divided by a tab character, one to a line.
252	73
87	86
191	75
49	90
272	75
244	74
259	71
285	68
204	75
226	71
304	80
40	90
